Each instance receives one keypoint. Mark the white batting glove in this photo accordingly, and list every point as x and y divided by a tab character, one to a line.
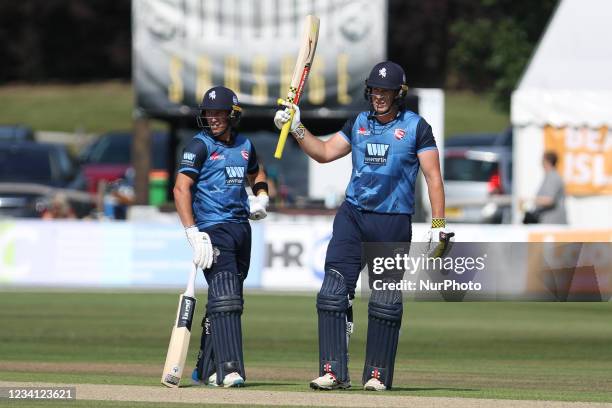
202	247
257	207
438	242
282	116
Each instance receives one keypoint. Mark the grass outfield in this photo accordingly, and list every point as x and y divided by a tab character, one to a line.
90	108
467	112
547	351
100	107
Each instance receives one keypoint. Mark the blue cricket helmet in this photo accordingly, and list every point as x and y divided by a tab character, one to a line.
219	98
387	75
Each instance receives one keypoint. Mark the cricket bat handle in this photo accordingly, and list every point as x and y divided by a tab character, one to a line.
190	291
282	139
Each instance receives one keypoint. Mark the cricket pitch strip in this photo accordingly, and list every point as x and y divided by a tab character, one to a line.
199	395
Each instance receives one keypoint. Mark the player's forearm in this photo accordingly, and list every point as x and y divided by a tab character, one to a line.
313	147
182	200
435	188
259	177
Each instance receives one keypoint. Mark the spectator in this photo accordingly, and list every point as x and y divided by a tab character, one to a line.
120	196
548	207
58	208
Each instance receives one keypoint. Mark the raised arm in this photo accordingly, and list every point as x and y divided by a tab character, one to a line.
323	151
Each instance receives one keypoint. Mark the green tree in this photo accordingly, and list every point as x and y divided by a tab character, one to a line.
492	44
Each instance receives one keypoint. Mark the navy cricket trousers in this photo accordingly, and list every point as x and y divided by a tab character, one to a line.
232	249
353	226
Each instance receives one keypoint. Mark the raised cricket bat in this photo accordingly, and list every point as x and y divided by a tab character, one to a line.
310	37
181	333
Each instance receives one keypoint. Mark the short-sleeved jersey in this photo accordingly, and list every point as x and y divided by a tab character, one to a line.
219	171
385	161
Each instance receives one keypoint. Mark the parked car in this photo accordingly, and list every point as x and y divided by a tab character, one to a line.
478	178
503	139
110	156
30	173
16	133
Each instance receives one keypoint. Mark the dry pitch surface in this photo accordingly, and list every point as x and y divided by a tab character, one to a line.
248	397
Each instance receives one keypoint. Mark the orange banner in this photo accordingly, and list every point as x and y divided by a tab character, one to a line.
585	158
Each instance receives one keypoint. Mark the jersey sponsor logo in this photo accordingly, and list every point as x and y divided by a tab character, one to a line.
234	175
216	156
376	153
363	131
188	159
399	134
245	154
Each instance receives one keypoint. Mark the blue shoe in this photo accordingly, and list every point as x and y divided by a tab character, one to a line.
212	380
195	379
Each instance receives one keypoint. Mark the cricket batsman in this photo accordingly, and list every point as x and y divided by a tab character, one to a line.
215	209
389	144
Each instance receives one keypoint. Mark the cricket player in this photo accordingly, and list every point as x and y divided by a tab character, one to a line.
215	208
389	144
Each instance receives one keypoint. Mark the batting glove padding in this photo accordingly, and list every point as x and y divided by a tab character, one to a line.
257	207
282	116
438	242
202	247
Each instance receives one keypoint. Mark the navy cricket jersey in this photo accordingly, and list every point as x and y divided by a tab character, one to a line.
219	171
385	162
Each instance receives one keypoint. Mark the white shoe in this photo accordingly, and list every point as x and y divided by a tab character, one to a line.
328	382
233	380
374	384
212	380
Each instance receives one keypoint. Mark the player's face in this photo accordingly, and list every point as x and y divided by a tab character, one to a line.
382	99
218	120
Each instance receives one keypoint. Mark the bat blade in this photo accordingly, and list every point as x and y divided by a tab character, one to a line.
310	37
179	342
181	334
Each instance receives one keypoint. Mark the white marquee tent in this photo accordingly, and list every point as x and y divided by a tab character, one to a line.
564	103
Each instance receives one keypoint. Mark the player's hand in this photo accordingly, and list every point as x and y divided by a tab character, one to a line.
202	247
257	207
283	116
438	242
